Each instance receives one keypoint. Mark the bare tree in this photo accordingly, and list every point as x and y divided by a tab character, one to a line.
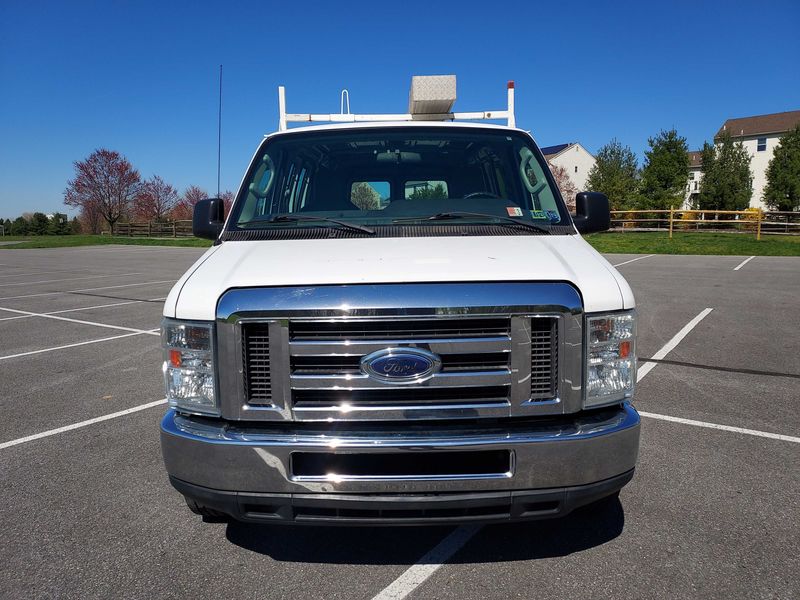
227	198
185	206
156	198
105	181
565	185
90	218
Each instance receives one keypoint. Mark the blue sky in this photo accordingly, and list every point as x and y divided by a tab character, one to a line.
141	77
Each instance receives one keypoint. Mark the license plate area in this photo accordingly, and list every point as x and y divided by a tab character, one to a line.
335	467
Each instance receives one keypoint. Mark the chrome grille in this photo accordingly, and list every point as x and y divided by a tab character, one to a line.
504	349
327	381
256	362
544	359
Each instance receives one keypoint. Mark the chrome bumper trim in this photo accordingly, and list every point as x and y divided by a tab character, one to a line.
589	447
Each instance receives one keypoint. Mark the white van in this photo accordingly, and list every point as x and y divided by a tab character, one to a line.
399	323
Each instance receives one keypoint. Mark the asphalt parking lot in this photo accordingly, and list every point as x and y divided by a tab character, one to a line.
87	511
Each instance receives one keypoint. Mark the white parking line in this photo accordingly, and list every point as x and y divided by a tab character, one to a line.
49	432
632	260
67	310
670	345
107	287
86	343
755	432
426	566
29	273
79	321
743	263
667	348
67	279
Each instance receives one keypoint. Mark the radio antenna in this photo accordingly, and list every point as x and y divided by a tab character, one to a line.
219	131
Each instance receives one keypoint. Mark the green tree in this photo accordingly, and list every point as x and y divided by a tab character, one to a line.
75	226
59	224
364	196
19	226
7	226
615	174
727	183
40	224
665	171
429	192
783	174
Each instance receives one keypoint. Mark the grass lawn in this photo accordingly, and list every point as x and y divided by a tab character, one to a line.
736	244
64	241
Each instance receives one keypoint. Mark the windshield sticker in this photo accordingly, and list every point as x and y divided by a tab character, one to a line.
554	216
514	211
539	214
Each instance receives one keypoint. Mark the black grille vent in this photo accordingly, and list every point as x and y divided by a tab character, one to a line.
399	329
422	395
544	359
257	373
388	231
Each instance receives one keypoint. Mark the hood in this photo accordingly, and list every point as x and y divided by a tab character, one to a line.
397	260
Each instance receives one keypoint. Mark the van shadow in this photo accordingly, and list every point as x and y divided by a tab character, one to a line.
585	528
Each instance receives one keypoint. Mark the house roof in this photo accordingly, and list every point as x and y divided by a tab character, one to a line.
773	123
695	159
550	151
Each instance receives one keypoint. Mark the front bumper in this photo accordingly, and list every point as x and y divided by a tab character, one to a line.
557	464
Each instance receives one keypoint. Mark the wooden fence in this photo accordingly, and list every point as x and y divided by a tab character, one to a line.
754	221
166	229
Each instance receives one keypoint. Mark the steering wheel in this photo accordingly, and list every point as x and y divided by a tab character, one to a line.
481	195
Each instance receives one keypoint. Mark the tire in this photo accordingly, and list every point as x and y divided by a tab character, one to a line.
207	513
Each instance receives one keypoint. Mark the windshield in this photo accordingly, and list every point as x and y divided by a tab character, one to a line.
397	176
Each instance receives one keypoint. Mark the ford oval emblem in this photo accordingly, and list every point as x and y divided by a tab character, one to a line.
401	365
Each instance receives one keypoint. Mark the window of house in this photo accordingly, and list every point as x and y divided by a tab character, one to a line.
576	168
762	144
691	176
695	186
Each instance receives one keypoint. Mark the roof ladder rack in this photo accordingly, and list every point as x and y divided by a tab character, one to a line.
431	99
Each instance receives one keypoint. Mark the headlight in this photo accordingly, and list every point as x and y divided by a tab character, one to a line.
610	358
189	365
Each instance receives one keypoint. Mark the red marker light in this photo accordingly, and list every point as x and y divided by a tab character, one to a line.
175	358
624	349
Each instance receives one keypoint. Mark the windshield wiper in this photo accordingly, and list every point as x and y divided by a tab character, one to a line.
304	218
464	215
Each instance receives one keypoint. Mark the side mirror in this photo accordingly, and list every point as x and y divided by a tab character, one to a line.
591	212
208	218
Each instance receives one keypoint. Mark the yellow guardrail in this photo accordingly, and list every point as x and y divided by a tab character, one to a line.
754	218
